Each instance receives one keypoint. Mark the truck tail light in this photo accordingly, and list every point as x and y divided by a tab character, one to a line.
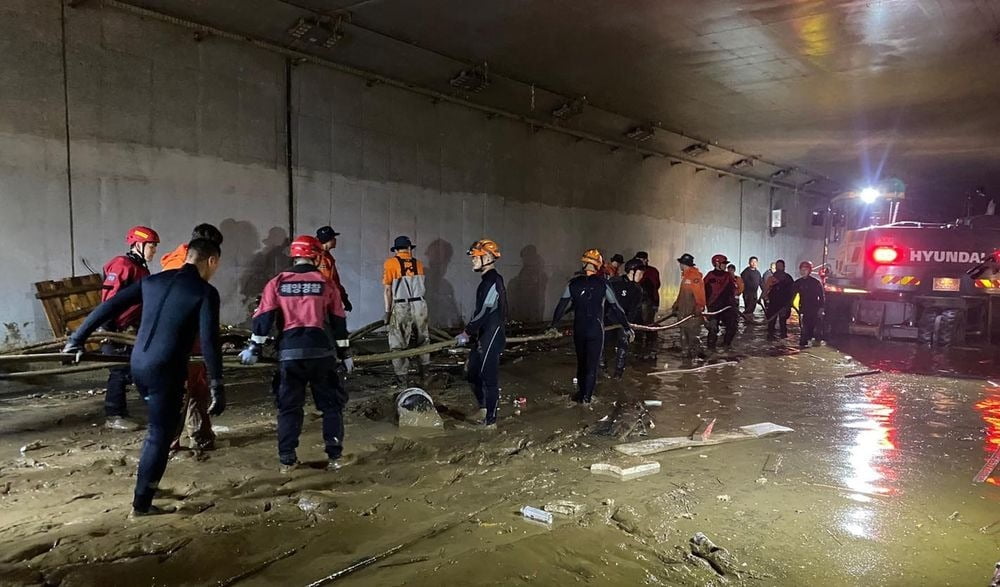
884	255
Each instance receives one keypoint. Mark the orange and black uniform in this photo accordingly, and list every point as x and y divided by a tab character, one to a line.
720	292
328	267
405	277
119	273
690	301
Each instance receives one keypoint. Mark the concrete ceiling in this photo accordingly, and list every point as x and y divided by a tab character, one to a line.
849	89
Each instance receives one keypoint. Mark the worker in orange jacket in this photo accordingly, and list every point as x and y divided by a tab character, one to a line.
197	397
690	302
327	265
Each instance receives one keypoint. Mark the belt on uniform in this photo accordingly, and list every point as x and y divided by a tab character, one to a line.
405	300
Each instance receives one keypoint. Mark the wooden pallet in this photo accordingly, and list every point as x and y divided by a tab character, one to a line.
68	301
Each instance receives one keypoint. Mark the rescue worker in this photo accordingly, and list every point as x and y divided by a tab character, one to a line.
177	306
119	273
487	327
690	302
327	237
197	423
720	292
650	285
739	285
589	293
405	307
811	299
629	295
313	335
612	268
779	295
752	281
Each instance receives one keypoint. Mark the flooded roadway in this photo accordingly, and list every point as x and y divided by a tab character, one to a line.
873	487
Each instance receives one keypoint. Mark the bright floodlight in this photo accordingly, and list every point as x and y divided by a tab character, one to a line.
869	195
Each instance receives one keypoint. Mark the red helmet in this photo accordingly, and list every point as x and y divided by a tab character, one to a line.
141	235
716	259
305	246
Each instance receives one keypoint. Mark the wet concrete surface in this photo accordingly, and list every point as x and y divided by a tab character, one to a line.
873	487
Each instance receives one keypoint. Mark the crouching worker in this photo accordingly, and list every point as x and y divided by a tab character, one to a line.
176	306
487	326
307	307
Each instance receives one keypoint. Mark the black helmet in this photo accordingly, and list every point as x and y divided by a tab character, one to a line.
326	234
402	243
634	265
617	258
642	255
686	259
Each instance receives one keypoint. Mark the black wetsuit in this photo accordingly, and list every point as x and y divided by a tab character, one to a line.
487	326
629	295
176	306
588	294
779	304
811	300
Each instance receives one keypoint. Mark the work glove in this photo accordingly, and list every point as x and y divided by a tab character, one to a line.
73	348
347	305
249	355
348	363
629	335
462	339
218	392
553	331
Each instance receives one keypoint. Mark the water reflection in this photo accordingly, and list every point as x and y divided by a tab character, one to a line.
871	457
989	411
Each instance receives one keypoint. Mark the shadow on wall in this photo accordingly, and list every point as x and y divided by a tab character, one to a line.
442	307
263	265
526	291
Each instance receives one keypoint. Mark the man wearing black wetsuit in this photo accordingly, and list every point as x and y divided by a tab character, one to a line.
177	305
629	294
589	293
487	326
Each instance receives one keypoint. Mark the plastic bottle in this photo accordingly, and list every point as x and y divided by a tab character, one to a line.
536	514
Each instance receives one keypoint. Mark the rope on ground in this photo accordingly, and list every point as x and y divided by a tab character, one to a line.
693	369
366	329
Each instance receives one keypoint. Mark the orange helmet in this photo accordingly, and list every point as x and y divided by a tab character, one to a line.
141	235
306	246
483	246
593	257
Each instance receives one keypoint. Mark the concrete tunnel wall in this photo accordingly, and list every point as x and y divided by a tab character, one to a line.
170	132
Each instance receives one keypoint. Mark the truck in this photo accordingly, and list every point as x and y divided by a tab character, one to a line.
895	279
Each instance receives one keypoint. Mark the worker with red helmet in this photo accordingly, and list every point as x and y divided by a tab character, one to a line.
590	294
487	325
690	302
119	273
307	308
720	294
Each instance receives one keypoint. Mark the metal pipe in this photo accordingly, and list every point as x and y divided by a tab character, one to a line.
69	158
300	56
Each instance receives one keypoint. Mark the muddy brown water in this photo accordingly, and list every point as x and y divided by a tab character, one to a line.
874	487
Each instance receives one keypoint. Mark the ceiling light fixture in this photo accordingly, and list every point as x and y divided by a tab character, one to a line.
474	79
316	31
695	150
570	109
640	133
743	163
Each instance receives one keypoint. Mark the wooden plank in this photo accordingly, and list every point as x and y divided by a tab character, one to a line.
76	289
68	301
658	445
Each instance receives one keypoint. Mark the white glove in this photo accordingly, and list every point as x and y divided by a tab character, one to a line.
249	355
462	339
348	365
73	348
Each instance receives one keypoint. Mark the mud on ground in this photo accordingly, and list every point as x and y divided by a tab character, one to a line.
873	487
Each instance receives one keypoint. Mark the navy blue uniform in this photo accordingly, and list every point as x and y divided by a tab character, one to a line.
629	295
589	294
487	326
176	306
